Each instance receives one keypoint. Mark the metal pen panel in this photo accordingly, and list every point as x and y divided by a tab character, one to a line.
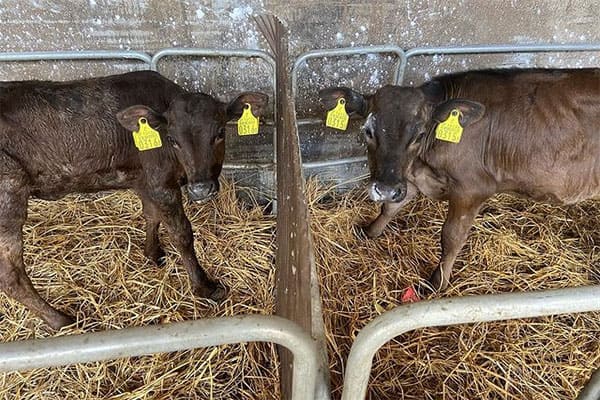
453	311
349	51
128	342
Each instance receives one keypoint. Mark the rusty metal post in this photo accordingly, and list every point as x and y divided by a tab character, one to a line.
298	296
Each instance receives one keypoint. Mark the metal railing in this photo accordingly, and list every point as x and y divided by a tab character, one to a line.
453	311
77	55
129	342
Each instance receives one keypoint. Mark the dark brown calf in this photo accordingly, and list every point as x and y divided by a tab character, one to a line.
62	137
531	132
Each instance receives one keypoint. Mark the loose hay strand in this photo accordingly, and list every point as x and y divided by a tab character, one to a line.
85	254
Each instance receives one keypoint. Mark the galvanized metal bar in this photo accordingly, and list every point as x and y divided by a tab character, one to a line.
591	391
77	55
333	163
500	48
204	52
129	342
452	311
344	52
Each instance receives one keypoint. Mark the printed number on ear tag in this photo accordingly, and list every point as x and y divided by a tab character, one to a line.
450	130
146	138
338	117
248	123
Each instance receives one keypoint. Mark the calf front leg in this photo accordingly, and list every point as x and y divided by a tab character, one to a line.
169	206
388	212
152	247
461	213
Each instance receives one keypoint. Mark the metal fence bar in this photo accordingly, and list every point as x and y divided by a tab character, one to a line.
128	342
452	311
348	51
204	52
242	53
500	48
77	55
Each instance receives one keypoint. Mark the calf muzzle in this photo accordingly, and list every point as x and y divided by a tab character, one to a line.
199	191
381	192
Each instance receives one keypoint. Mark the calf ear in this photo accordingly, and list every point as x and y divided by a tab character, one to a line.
130	116
258	102
356	103
471	111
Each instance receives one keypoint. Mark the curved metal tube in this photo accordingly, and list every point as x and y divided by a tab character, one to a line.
76	55
98	346
348	51
499	48
203	52
452	311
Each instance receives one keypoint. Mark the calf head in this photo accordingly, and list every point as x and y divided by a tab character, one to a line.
193	127
397	120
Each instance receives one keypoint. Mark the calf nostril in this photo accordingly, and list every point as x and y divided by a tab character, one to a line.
376	189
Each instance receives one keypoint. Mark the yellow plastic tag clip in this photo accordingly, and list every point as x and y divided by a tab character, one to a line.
146	138
338	117
248	123
450	130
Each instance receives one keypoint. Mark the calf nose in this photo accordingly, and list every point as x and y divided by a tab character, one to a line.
381	192
201	190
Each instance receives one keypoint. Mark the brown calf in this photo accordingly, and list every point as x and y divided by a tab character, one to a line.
531	132
63	137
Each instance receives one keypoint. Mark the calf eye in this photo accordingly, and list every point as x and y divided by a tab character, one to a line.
220	134
172	142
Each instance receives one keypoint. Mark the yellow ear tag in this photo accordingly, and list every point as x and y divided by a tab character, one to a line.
338	117
248	123
450	130
146	138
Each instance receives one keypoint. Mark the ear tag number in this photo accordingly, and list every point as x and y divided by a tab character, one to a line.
338	117
146	137
248	123
450	130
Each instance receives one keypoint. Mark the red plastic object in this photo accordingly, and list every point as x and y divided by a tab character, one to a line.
410	295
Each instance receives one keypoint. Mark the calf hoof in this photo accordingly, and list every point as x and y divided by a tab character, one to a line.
158	257
437	282
367	231
59	320
213	290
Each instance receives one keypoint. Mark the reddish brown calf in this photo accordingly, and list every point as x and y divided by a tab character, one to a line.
531	132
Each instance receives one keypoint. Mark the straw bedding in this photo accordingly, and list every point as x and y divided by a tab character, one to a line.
85	255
